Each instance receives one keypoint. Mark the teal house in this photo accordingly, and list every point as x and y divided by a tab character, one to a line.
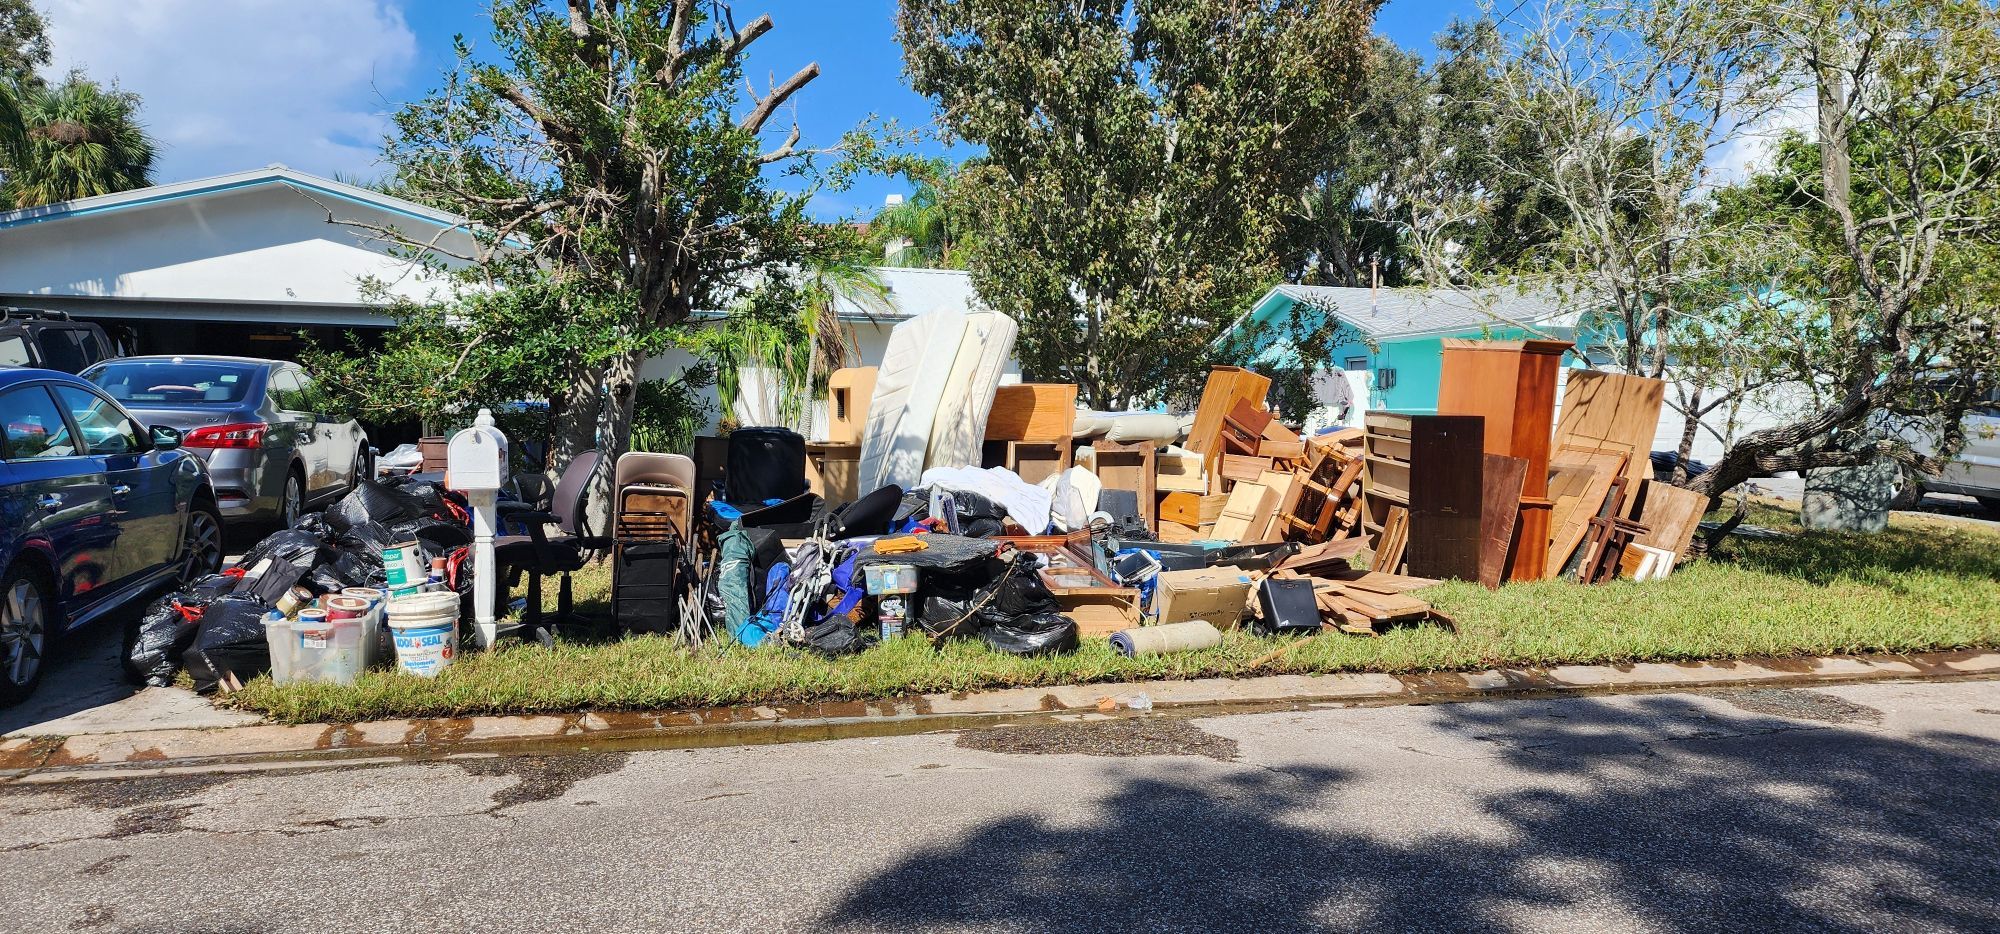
1391	341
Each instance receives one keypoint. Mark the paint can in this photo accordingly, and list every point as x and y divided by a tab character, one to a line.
403	564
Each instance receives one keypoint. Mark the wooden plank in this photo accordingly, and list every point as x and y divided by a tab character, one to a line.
1043	412
1326	555
1279	482
1247	509
1281	450
1589	482
1499	508
1613	412
1242	467
1390	544
1381	581
1275	432
1671	516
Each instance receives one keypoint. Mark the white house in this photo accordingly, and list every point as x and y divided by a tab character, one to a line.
241	264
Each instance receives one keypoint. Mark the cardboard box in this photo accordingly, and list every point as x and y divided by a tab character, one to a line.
1217	595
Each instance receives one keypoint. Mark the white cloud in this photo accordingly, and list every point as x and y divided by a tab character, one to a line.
1750	147
238	84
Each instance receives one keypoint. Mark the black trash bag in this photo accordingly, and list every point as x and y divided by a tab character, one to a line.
163	633
437	537
373	502
834	637
274	582
230	647
915	507
430	497
1016	594
977	516
1036	634
347	569
298	547
944	617
370	537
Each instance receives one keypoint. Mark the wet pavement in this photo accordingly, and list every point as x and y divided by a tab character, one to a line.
1855	807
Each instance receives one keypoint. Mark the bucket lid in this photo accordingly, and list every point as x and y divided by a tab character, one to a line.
425	605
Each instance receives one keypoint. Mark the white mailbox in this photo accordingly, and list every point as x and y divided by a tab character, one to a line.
476	465
476	459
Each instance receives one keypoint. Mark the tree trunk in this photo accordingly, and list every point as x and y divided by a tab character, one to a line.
576	417
621	381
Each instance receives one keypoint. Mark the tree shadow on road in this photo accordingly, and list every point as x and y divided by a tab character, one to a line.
1652	812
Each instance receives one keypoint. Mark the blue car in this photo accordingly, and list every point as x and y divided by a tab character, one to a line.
97	512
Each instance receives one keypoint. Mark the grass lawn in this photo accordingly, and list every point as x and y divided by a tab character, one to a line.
1926	584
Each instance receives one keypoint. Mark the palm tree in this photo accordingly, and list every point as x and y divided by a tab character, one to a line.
801	351
923	223
82	141
13	132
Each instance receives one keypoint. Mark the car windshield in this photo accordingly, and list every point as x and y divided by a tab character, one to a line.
163	384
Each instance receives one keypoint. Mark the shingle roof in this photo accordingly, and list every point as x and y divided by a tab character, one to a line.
203	187
1410	312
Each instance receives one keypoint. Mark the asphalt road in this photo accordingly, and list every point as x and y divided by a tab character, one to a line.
1850	808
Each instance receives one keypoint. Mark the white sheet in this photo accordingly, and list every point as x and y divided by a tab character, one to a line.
908	385
1025	503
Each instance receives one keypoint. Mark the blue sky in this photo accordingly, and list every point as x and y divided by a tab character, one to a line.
234	84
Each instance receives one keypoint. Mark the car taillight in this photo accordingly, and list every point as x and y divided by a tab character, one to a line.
244	435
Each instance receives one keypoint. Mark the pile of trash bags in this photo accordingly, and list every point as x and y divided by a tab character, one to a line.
214	627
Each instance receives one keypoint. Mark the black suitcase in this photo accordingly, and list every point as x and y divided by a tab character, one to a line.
648	581
764	464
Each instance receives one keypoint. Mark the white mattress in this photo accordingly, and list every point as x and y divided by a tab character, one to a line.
908	386
959	429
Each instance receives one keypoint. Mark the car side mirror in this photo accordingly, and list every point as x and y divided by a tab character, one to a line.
166	438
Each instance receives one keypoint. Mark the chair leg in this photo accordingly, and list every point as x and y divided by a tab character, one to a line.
564	605
531	615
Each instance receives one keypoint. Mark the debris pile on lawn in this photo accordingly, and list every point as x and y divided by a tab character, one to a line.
308	602
944	505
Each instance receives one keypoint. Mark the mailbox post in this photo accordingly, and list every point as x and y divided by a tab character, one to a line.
476	465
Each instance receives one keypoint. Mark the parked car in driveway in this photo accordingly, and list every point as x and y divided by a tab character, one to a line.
1975	470
50	340
269	456
97	510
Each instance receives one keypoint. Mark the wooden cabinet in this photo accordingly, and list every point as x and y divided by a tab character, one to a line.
1512	385
1426	471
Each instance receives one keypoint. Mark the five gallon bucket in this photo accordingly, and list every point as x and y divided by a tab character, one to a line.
425	630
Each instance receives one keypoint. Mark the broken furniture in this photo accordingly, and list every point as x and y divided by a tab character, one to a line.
1099	605
1227	385
1511	384
848	392
538	555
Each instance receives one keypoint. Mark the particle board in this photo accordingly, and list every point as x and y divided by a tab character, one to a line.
1612	412
1039	412
1499	511
1279	482
1243	467
1447	468
849	391
1226	386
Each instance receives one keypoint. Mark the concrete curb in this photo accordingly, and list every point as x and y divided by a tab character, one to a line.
269	746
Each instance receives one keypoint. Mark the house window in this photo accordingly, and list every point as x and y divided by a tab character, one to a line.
1385	378
1356	364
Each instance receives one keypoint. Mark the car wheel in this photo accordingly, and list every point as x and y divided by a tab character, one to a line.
25	633
204	543
361	471
293	505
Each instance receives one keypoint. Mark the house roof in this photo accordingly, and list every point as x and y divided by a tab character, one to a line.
274	174
1412	312
913	292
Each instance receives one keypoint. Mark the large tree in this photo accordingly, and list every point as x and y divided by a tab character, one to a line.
24	44
1141	159
619	166
1899	222
82	140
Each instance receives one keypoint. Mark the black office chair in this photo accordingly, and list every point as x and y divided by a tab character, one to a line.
538	555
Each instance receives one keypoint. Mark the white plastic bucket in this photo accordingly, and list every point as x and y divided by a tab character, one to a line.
425	630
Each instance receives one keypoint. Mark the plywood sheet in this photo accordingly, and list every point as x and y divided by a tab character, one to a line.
1671	516
1044	412
1578	483
1612	412
1248	509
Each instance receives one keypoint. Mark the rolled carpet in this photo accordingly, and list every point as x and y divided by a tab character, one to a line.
1164	640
